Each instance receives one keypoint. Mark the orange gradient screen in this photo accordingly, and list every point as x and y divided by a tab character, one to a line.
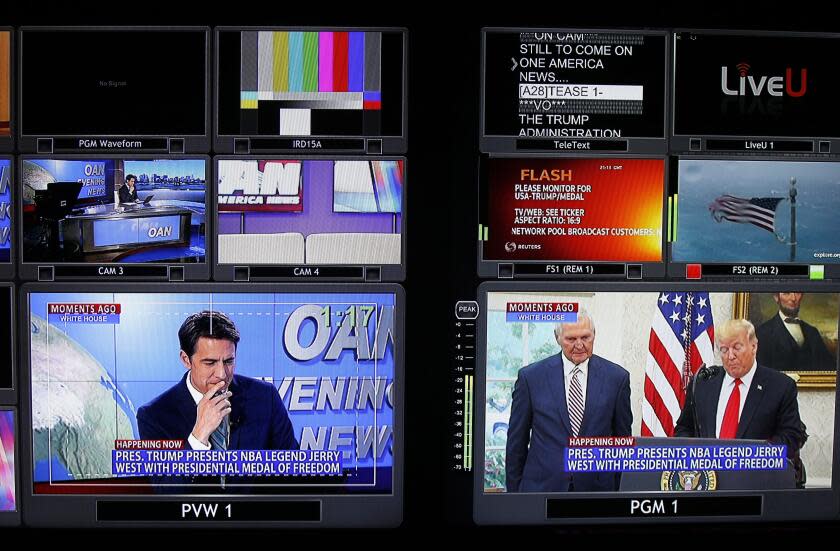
574	209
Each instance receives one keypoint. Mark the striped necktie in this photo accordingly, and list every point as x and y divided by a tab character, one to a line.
219	439
576	401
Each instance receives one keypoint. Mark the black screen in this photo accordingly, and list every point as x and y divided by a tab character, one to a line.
6	365
753	86
127	82
563	78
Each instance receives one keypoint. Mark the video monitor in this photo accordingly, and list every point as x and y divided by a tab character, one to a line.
114	89
6	89
8	371
9	507
756	218
183	403
114	217
655	402
573	91
544	217
310	218
309	89
761	93
7	231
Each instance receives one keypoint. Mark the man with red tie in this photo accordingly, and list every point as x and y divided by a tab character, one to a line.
744	399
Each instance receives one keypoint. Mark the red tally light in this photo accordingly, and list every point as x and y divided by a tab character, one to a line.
693	271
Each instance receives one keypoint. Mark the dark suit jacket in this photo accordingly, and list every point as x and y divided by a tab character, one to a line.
771	411
127	196
539	427
778	350
258	418
258	421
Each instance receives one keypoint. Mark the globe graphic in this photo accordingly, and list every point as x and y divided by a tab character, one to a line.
77	410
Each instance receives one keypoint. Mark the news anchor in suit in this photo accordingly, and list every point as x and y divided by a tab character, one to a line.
128	191
744	399
211	407
574	393
789	343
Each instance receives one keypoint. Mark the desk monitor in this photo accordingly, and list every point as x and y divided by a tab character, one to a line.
104	217
312	438
573	91
6	89
761	93
311	90
310	218
9	486
754	217
7	227
107	90
8	371
617	403
571	217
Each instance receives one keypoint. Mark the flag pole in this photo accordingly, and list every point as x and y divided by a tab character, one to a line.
792	219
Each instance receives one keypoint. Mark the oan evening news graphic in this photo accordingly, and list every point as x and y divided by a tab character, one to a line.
757	211
310	211
6	209
761	86
114	210
574	209
614	391
573	84
236	393
7	461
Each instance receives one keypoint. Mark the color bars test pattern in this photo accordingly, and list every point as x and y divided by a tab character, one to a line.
310	70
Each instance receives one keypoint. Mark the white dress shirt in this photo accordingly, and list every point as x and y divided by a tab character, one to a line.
194	442
726	391
794	329
568	367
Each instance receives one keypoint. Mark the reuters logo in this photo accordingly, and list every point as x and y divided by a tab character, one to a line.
510	246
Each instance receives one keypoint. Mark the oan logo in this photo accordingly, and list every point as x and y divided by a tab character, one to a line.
160	232
675	481
777	86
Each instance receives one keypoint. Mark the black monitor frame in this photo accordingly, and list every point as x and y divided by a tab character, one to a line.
153	144
699	143
649	146
7	269
532	508
335	511
558	268
7	143
746	271
47	271
9	395
247	144
361	272
12	518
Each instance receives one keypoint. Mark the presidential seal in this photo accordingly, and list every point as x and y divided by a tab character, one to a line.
677	481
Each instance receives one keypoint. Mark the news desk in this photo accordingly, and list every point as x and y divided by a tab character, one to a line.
111	228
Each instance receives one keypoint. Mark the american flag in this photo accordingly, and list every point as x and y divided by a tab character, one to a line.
681	339
758	211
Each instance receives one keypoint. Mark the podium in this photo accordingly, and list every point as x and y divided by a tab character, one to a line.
651	481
